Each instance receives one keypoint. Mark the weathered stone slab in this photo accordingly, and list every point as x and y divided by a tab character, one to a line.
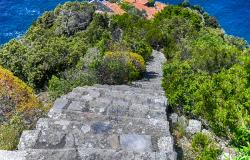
101	127
28	139
182	121
193	127
78	106
12	155
51	154
61	103
133	142
111	125
174	118
166	144
88	154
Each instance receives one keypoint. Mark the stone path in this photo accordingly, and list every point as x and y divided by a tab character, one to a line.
103	122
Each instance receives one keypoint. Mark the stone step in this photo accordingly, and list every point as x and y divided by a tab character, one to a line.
100	124
148	85
105	106
89	94
12	155
137	98
84	154
48	139
125	155
156	81
129	88
75	115
56	131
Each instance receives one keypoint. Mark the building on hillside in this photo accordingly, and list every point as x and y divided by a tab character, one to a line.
144	2
144	5
114	7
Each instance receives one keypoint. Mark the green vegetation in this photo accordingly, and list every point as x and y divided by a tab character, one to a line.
69	80
204	147
206	76
120	67
19	109
244	153
56	43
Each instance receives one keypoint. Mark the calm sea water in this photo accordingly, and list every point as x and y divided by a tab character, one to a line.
17	15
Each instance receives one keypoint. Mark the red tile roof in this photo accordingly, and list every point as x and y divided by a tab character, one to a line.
151	11
141	1
114	7
137	1
139	4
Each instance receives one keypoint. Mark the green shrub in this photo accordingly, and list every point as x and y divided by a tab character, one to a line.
72	17
205	147
19	109
143	49
211	21
224	96
237	42
244	153
13	57
174	11
211	53
10	133
120	67
241	137
69	80
208	78
92	55
179	131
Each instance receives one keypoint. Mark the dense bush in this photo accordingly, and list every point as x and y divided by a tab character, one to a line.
207	73
10	133
13	56
180	12
208	78
244	153
19	108
69	80
143	49
205	148
120	67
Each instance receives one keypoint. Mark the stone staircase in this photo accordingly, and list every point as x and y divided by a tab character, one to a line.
103	122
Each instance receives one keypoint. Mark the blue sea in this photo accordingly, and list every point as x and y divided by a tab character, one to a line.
17	15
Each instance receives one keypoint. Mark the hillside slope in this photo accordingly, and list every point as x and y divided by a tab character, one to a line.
205	78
